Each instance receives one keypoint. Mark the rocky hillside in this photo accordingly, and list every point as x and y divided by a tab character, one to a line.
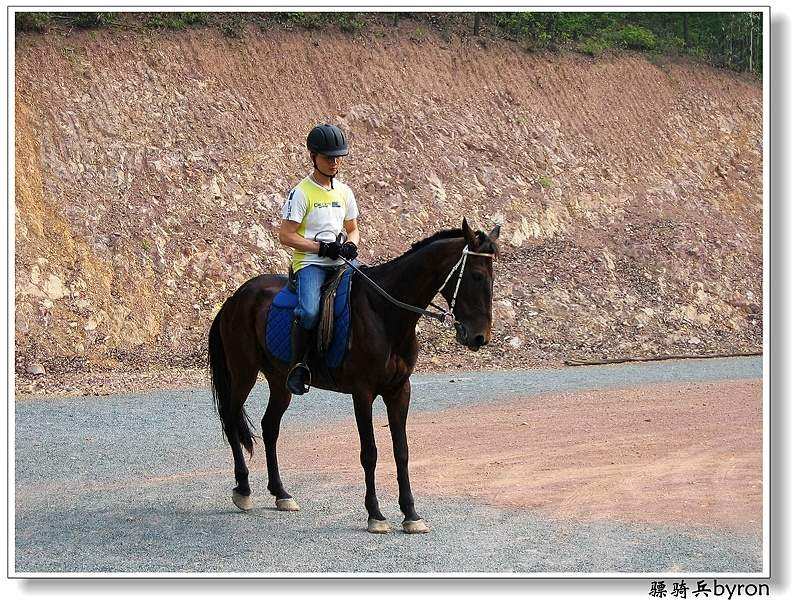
151	167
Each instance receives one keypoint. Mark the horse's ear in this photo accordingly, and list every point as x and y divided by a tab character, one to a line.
495	233
469	235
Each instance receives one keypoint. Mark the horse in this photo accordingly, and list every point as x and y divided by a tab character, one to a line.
381	356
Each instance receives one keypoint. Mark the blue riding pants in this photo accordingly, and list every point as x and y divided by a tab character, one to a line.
309	284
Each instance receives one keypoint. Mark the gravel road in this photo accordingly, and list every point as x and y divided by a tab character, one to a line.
140	483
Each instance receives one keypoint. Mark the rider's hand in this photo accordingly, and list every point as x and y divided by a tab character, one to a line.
329	250
349	251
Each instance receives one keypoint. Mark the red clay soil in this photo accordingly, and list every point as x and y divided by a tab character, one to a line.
686	454
149	183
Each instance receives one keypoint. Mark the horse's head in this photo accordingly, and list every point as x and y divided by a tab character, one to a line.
471	299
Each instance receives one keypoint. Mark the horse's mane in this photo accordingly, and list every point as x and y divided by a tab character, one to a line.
485	244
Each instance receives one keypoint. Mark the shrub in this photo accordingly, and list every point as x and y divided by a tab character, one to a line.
302	19
671	44
88	20
175	20
698	53
518	23
633	37
194	19
312	20
536	40
162	21
32	21
232	25
593	46
350	22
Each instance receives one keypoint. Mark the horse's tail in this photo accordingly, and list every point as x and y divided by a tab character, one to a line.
221	389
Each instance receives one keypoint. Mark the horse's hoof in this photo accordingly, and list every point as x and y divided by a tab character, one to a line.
244	503
419	526
287	504
375	526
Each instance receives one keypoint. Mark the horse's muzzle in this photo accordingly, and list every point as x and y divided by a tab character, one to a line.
476	342
473	342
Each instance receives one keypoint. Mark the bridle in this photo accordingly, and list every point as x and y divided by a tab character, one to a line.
447	317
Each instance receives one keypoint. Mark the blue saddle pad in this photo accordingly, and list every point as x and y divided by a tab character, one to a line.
281	315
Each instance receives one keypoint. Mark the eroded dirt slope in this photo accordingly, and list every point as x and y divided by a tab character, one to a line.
151	167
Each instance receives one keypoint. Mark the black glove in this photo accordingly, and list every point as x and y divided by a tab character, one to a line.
329	250
349	251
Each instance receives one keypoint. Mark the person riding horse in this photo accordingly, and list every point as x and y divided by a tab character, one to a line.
384	312
314	214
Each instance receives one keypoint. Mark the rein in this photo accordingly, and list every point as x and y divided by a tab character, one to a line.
447	317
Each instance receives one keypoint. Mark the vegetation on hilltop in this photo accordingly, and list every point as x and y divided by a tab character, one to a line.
732	40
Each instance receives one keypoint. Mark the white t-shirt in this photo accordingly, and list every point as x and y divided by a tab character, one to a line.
321	213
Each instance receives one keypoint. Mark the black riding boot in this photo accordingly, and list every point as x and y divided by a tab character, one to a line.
300	375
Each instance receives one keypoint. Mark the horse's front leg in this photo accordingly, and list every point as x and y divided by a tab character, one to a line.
362	403
397	408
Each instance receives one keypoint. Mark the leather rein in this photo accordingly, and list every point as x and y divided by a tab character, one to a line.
447	317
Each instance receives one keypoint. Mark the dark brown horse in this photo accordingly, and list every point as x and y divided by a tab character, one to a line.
382	353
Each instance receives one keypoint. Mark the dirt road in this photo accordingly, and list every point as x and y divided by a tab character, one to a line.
626	468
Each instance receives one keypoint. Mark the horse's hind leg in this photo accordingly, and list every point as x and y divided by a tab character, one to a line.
279	399
235	429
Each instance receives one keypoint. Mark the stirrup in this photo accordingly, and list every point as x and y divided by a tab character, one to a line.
306	377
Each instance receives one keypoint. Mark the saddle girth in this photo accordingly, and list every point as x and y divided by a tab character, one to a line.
326	318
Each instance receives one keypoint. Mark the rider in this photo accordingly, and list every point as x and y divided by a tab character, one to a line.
313	216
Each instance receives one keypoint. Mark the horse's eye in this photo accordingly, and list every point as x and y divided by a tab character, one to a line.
477	276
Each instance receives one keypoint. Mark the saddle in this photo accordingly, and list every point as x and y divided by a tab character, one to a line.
333	332
328	300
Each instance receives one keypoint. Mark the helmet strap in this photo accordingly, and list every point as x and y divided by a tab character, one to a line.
316	168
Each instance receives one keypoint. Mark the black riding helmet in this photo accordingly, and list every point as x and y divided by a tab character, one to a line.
328	140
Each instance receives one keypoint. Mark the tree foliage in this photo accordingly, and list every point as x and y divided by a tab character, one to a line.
727	39
732	40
